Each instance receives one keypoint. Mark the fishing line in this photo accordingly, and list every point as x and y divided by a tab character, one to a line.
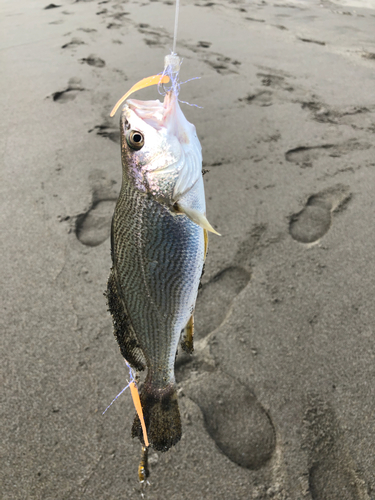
172	65
175	26
132	379
172	62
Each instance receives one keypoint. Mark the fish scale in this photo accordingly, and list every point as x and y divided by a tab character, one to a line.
156	298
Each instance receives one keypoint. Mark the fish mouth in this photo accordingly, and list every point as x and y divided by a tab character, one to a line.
166	115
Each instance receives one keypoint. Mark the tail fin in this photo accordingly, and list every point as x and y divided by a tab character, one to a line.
162	417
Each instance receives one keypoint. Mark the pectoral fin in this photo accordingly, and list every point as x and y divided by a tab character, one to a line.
195	216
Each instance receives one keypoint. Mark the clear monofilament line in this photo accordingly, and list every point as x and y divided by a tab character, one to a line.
175	26
132	378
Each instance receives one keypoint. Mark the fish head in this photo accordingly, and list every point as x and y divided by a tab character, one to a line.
161	153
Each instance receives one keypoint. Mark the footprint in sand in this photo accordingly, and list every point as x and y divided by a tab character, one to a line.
155	37
309	40
94	226
87	30
315	219
233	416
255	20
73	43
350	115
108	130
204	45
93	60
216	296
234	419
70	93
369	55
222	64
331	475
304	156
275	81
114	26
261	98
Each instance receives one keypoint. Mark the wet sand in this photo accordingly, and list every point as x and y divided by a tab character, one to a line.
278	400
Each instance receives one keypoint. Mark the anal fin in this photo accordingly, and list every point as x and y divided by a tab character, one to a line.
187	342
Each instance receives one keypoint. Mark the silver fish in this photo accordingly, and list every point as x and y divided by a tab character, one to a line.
158	246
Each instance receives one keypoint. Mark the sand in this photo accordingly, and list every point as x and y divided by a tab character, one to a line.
278	401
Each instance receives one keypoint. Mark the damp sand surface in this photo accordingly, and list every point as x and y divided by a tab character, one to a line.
277	401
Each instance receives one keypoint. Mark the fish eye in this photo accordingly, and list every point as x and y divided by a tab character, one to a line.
135	139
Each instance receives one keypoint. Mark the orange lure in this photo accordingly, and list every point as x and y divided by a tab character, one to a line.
146	82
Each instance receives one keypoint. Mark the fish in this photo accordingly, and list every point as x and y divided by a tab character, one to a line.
159	240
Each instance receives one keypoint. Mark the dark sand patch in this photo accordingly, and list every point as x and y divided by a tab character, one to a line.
88	30
204	45
309	40
261	98
255	20
73	43
108	130
93	60
70	93
369	55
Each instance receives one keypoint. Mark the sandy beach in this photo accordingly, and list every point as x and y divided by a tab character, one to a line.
278	400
